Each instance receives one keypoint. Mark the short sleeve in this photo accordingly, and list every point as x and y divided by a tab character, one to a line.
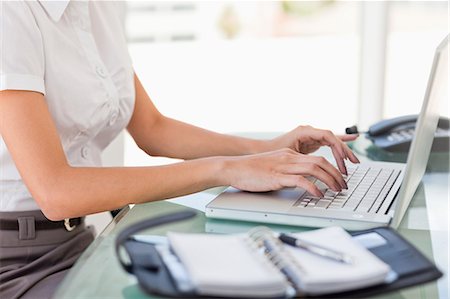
22	54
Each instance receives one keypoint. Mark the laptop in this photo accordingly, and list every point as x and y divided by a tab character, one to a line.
379	192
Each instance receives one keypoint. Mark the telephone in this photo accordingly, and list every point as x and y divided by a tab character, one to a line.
396	134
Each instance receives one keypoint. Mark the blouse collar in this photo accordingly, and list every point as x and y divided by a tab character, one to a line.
54	9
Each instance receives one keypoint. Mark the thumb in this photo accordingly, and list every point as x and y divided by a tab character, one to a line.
348	137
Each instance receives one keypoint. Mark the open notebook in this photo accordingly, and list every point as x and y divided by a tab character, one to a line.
260	266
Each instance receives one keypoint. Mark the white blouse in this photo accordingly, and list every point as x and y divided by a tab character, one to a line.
75	53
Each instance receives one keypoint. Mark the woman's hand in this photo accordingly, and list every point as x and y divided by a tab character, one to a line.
282	168
306	139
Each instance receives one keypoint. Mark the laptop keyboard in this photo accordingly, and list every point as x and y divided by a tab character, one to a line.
367	189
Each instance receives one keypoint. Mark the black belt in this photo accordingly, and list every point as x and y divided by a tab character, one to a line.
68	224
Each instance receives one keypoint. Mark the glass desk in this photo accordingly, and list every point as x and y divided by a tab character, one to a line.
97	274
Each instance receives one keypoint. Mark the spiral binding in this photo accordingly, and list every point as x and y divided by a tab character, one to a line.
262	237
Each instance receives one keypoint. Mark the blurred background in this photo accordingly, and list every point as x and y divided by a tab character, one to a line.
240	66
235	66
269	66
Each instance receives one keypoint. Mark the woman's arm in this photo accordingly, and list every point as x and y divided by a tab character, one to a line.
63	191
159	135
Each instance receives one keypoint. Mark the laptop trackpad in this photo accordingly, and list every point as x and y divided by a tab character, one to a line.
274	201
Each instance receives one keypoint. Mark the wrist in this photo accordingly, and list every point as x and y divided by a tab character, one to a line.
261	146
223	170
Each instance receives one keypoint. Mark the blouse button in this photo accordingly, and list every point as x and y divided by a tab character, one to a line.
100	71
84	152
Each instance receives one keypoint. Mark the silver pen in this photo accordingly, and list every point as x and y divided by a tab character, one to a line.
316	249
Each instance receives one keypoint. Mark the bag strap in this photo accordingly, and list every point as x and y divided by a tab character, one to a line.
146	224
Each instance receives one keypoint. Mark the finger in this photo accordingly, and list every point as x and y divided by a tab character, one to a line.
328	138
325	177
349	153
348	137
308	186
331	169
312	148
313	169
302	164
288	181
327	180
339	157
352	157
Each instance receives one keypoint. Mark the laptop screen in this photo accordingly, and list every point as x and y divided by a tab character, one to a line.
436	93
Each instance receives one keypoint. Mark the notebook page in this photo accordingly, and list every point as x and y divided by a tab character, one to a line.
226	266
321	275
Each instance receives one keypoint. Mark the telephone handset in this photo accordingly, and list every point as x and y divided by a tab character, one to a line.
396	134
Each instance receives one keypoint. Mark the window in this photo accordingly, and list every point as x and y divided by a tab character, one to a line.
272	65
415	30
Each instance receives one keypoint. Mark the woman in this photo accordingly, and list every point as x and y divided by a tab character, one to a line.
67	89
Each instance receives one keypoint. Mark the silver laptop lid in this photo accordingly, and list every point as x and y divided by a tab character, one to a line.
437	90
